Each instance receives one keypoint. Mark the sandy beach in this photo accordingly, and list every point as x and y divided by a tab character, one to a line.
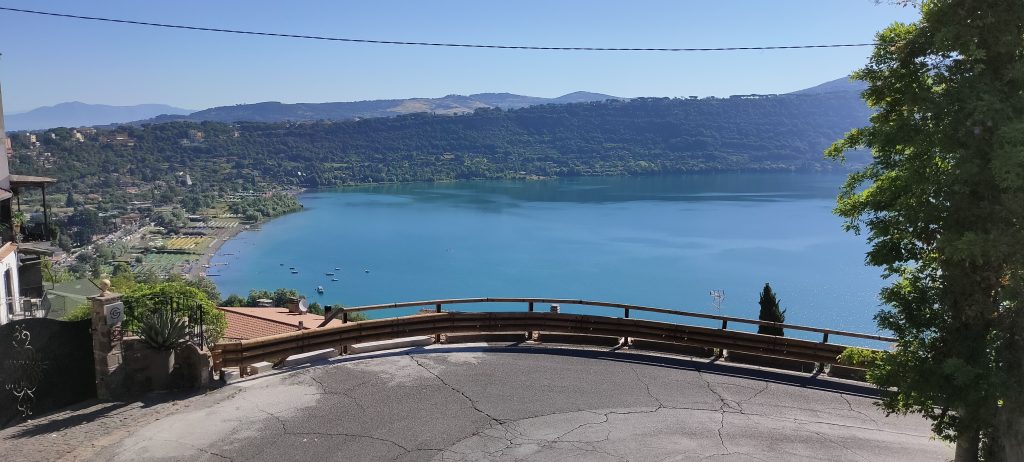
225	235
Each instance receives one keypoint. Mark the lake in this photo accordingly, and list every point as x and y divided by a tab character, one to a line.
662	241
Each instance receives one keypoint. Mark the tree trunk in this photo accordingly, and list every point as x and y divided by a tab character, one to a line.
967	446
1011	433
1009	422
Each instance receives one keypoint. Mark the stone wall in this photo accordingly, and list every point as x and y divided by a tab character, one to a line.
126	366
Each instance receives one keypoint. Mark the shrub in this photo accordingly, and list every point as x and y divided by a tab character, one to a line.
770	311
79	313
860	357
139	305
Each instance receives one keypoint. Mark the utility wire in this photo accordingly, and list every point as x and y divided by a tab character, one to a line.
429	44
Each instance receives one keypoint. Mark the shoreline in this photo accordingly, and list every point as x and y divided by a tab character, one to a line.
198	270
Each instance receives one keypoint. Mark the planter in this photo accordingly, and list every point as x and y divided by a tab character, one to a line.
773	362
153	368
191	368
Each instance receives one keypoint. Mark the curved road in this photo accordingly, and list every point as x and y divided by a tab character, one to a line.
531	403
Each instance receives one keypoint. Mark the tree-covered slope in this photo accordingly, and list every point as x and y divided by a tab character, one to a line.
640	136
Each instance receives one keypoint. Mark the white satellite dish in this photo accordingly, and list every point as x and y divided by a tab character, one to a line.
303	305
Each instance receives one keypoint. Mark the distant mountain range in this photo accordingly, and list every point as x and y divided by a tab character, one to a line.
80	114
834	86
76	114
447	105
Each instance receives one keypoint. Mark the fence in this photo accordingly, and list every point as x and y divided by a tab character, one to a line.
190	309
274	348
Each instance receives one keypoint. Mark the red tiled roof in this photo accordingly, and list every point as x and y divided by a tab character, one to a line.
7	249
254	322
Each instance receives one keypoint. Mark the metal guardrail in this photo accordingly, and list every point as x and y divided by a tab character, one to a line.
439	304
278	347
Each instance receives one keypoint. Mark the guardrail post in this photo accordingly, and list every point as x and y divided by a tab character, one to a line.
344	320
725	323
625	340
824	338
437	336
529	333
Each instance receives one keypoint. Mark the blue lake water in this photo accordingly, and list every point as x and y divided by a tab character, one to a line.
661	241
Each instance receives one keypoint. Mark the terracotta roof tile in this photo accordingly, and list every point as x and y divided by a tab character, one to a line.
255	322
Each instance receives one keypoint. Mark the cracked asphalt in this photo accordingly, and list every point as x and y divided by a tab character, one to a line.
529	403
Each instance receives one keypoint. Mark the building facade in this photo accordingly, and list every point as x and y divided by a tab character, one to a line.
21	288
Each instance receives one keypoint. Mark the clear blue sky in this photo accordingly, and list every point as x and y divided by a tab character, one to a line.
50	60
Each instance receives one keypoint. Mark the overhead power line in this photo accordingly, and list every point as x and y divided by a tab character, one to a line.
428	44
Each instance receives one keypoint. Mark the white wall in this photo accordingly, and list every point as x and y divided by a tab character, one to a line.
9	262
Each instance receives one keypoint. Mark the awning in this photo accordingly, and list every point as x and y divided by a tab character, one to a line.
18	181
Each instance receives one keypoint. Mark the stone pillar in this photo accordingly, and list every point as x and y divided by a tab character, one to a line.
107	314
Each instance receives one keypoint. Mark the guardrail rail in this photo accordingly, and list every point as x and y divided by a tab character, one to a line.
278	347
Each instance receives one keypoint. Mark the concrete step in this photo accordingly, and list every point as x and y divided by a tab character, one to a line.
674	348
306	358
407	342
770	361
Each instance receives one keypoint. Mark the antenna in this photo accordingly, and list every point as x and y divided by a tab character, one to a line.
303	305
717	296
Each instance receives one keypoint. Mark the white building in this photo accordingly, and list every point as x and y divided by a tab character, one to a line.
12	308
21	288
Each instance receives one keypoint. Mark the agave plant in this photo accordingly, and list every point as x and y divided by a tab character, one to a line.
163	330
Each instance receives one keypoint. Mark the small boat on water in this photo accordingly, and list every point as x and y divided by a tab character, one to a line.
337	269
366	271
335	279
295	271
329	274
319	289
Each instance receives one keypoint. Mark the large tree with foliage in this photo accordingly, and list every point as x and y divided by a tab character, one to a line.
943	206
770	311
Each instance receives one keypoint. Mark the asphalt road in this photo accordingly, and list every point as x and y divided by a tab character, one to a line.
531	403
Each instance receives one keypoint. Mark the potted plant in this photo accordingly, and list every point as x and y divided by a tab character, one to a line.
18	219
854	363
163	332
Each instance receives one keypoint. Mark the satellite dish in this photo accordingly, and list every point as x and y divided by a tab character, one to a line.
303	305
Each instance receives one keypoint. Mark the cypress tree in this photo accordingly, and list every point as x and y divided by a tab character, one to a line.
770	311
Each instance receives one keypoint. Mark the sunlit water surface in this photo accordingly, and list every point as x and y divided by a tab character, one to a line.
662	241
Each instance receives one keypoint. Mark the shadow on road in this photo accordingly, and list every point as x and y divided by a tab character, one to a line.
91	411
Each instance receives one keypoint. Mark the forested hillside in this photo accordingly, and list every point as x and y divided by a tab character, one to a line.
639	136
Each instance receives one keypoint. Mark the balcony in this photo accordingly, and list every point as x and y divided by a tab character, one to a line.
30	232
